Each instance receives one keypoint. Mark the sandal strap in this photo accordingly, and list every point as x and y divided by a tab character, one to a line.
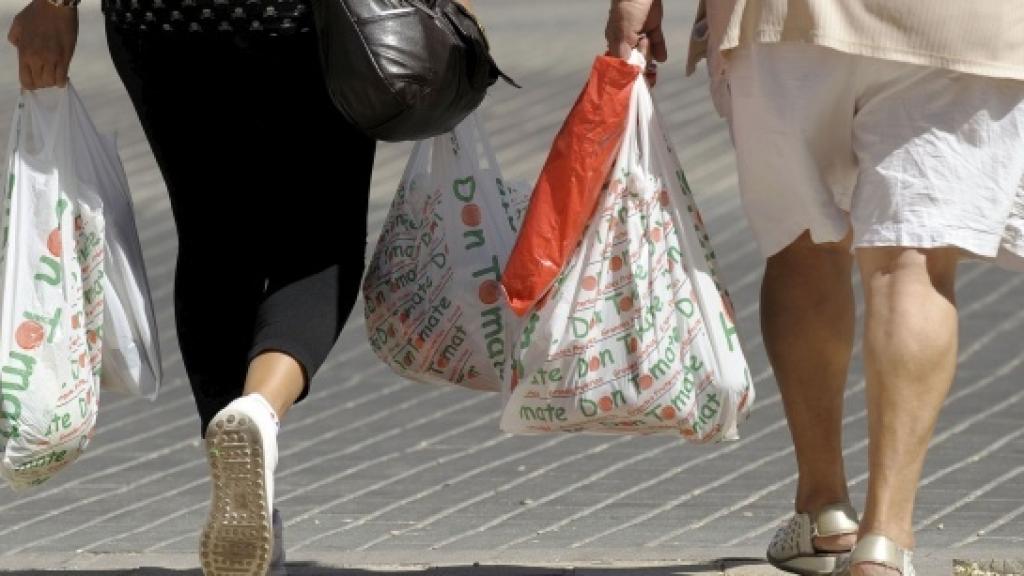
836	520
878	549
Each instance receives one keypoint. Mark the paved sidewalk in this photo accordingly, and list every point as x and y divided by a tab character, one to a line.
606	562
377	472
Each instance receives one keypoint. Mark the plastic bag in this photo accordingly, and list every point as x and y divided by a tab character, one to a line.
131	345
51	312
434	310
570	183
634	335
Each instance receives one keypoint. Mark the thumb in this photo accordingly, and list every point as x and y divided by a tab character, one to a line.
14	34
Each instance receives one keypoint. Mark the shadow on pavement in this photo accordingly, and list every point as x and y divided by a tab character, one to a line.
313	569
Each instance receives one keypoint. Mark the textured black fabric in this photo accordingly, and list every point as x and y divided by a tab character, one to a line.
269	187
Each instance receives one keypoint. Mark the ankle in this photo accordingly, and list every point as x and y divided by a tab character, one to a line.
815	503
902	537
265	404
816	490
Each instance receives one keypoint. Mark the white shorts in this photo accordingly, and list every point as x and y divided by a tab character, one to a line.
904	155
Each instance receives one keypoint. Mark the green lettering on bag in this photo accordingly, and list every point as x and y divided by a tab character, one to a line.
53	279
50	323
494	270
582	368
464	189
580	327
474	238
544	377
21	375
494	331
58	424
547	413
531	326
686	307
730	331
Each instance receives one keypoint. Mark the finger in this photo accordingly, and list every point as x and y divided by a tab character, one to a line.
25	75
46	76
37	69
61	74
659	48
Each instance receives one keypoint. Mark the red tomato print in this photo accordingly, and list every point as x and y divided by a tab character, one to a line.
29	335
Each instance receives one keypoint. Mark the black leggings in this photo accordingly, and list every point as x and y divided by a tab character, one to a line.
268	185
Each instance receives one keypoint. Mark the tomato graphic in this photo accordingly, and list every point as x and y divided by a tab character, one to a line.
471	215
626	304
489	291
29	335
53	243
645	382
606	404
668	413
589	283
595	363
615	264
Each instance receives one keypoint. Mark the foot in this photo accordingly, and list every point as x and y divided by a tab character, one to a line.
877	555
241	448
811	545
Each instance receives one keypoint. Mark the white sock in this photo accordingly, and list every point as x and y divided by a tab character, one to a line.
270	409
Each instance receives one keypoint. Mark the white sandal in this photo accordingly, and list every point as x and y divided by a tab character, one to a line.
792	548
877	549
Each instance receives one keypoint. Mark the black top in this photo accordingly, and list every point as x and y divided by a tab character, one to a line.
272	17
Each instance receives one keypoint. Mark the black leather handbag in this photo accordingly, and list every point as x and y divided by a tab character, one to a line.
404	69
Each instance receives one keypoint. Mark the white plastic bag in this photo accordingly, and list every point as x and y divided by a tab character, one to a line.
51	311
636	335
434	311
131	345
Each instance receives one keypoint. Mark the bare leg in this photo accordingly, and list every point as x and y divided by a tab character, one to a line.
807	316
278	378
910	359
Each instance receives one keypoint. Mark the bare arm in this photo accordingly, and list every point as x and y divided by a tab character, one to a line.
45	36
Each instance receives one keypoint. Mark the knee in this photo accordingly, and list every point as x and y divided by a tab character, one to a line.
805	257
898	267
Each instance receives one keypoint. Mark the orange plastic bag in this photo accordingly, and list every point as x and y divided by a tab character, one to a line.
570	184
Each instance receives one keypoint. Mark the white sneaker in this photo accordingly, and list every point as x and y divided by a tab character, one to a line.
241	448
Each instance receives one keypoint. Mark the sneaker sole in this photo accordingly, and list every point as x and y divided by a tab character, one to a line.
238	536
